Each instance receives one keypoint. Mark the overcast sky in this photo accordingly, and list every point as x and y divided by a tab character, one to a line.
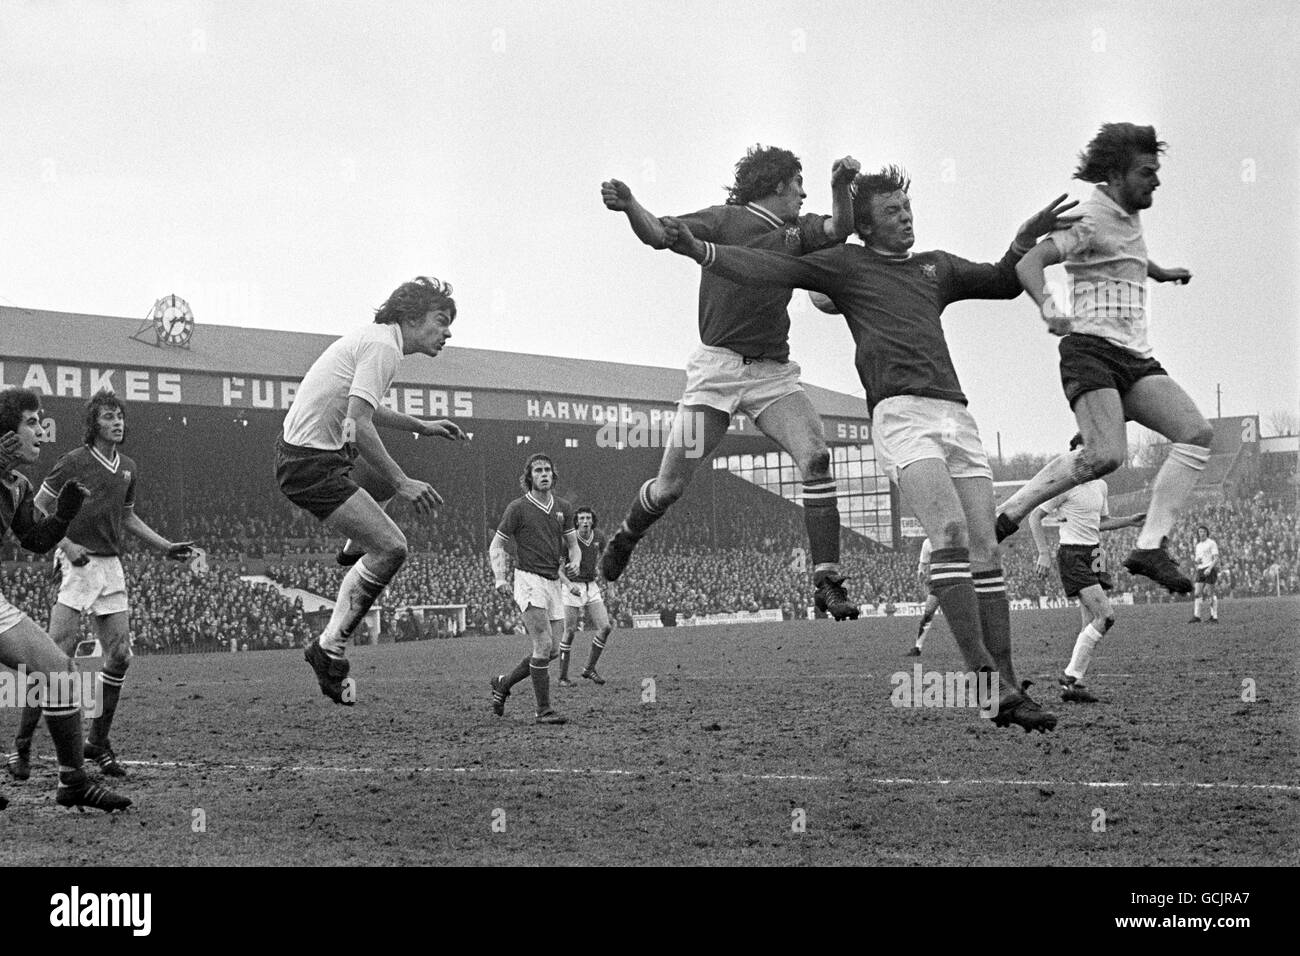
287	164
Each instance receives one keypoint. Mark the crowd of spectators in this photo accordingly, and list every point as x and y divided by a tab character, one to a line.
688	567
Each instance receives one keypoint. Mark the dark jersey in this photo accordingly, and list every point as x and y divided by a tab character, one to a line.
538	534
590	555
892	305
750	320
98	526
18	514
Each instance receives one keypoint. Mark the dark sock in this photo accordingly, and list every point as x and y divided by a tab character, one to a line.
110	690
644	512
950	581
65	728
821	518
995	616
541	672
516	675
597	645
28	719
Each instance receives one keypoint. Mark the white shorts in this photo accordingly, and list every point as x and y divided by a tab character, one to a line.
97	587
588	593
721	379
533	590
10	616
908	428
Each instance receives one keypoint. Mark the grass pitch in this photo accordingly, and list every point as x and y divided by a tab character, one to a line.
762	744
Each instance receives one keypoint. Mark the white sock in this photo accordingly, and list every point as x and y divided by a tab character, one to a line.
1174	482
1082	655
920	638
1196	607
1214	608
351	591
1060	474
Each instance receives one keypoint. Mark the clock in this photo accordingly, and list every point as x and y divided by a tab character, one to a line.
173	322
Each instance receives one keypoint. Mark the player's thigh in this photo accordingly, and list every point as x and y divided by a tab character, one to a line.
1100	417
794	424
696	433
26	645
65	627
599	616
978	504
1094	600
1160	404
537	623
113	632
930	493
362	519
572	618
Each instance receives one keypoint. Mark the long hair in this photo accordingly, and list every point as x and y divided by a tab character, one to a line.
526	479
760	172
13	402
104	398
584	510
889	180
415	299
1113	150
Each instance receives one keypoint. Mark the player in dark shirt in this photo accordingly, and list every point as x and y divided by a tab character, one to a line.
92	580
542	529
893	301
581	593
23	645
743	362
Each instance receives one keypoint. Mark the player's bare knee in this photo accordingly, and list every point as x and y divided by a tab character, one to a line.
955	534
1103	459
817	465
118	659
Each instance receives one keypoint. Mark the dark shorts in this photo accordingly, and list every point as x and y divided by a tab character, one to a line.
1089	363
1082	566
319	481
1208	577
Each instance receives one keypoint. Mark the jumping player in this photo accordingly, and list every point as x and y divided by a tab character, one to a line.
332	422
1207	576
581	592
931	599
743	362
543	530
1082	511
89	562
924	436
1107	368
23	645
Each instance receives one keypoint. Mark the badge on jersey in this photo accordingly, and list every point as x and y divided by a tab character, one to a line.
930	272
792	238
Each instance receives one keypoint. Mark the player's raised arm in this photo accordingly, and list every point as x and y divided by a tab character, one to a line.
840	226
38	533
1031	271
815	271
618	198
360	428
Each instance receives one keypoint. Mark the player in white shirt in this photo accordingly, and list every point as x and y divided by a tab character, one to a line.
1107	369
1207	576
931	602
331	424
1082	563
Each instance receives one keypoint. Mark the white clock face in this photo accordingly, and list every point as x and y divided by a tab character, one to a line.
172	320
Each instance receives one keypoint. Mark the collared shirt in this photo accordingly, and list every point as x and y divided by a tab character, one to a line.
362	363
98	525
1106	261
751	320
538	531
1207	554
1080	511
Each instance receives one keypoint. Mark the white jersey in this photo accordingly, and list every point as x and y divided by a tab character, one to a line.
1106	259
1080	511
923	565
1207	554
362	363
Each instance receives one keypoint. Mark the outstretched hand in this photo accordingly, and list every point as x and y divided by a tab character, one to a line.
678	238
445	428
1048	219
616	195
